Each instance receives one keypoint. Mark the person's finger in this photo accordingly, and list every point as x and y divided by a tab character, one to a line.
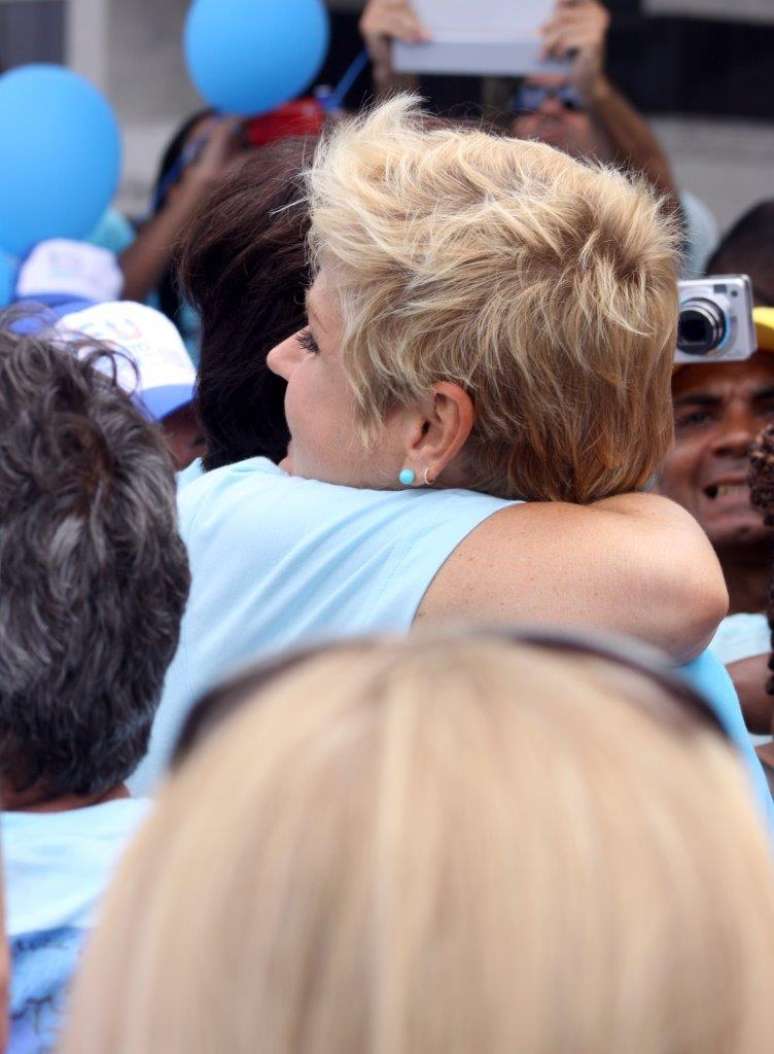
572	35
388	16
379	9
567	38
595	20
570	20
556	25
566	45
389	26
405	26
394	19
411	30
222	141
580	41
554	43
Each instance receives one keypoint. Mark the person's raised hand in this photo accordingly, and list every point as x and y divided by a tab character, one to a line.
222	147
384	21
578	30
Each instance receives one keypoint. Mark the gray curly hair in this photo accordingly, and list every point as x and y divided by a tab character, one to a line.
93	574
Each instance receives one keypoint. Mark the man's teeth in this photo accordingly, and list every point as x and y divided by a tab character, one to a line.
723	489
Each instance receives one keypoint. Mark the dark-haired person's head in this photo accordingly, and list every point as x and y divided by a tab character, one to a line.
94	575
720	407
748	248
244	267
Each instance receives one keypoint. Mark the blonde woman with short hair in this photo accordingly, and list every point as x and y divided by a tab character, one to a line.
491	323
440	847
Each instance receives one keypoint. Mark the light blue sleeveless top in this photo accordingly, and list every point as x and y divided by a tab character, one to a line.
278	561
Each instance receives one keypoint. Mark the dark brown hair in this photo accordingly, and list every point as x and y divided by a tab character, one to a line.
748	248
244	267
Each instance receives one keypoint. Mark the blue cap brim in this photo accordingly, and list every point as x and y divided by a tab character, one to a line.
158	403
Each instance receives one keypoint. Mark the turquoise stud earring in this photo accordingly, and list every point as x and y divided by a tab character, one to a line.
408	477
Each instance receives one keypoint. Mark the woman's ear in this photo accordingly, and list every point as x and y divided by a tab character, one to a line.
447	418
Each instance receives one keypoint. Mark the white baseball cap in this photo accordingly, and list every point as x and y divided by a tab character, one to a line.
60	268
155	368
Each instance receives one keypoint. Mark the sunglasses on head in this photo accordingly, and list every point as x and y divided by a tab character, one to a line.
684	705
530	97
681	708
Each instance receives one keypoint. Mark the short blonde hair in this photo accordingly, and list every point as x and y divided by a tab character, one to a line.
446	847
545	287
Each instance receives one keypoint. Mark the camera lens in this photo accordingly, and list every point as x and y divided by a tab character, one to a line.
702	327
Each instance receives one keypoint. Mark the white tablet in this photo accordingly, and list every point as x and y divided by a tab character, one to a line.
497	37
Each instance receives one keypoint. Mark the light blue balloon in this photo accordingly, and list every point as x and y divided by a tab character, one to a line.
60	156
247	57
9	267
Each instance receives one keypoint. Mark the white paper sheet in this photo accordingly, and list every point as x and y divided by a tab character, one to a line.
499	37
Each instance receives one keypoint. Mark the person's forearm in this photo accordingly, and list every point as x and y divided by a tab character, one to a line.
388	82
675	578
635	564
630	137
750	677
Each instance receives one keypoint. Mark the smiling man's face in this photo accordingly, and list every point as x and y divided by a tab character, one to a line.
719	409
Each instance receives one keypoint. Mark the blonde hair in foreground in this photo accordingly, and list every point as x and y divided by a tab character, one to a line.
545	287
461	847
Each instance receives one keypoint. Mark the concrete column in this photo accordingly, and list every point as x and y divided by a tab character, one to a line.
86	40
132	51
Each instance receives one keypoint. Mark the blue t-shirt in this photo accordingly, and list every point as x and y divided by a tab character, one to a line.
279	561
113	232
57	866
710	678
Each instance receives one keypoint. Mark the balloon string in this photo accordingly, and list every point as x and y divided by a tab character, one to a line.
335	100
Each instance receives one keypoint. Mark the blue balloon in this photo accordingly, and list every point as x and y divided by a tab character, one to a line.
9	268
60	156
247	57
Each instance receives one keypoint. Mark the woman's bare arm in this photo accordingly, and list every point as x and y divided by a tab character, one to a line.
636	564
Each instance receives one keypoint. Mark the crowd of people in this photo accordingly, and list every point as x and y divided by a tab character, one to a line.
385	617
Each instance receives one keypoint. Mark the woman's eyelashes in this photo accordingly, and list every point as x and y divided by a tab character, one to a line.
307	342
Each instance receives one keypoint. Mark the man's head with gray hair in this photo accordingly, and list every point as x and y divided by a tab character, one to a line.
93	574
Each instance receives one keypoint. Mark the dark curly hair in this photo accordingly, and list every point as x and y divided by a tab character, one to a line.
762	494
93	574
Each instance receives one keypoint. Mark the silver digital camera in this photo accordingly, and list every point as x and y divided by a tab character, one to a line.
716	319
